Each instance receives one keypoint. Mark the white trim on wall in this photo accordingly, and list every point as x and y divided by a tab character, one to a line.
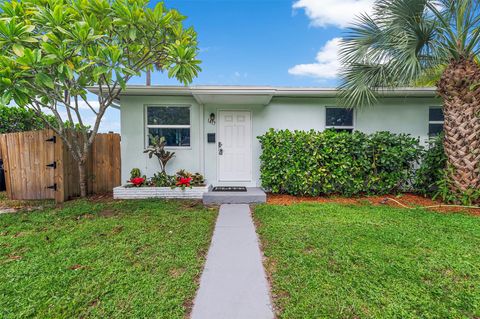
201	130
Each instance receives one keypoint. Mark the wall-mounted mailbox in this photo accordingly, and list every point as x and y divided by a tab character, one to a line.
211	137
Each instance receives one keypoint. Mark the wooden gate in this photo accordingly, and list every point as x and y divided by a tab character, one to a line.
25	159
38	166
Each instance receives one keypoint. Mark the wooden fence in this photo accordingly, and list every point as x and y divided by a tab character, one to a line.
38	166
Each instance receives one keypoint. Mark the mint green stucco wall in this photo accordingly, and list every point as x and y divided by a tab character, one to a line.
134	136
407	115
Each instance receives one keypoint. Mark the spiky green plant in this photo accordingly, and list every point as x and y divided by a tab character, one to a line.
403	40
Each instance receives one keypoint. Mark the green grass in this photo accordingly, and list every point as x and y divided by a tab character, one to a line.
128	259
25	204
334	261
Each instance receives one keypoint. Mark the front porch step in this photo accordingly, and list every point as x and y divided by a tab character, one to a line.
251	196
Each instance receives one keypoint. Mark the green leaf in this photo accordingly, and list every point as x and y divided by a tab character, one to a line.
45	80
99	71
132	33
6	81
18	49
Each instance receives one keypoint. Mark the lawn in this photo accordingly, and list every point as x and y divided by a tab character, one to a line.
337	261
110	259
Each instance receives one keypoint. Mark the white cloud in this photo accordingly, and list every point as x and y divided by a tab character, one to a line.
326	66
84	106
110	121
339	13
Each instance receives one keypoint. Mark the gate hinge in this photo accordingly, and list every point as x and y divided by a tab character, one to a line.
52	139
52	165
54	187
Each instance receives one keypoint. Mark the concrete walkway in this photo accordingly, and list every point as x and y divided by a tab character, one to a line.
233	284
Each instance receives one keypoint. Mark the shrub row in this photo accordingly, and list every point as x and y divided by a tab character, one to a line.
317	163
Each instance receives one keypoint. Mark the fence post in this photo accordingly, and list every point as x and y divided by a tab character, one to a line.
60	171
6	162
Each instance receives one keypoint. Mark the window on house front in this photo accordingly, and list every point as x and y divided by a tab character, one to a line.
171	122
435	121
339	119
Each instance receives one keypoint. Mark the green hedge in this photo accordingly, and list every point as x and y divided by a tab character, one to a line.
19	119
317	163
432	168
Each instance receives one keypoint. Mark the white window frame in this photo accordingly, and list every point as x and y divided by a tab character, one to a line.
148	126
352	127
433	122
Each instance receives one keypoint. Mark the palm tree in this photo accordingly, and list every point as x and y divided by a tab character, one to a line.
403	40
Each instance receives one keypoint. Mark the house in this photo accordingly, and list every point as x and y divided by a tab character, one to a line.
214	129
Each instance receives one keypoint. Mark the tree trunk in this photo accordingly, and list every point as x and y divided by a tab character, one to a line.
148	78
460	89
82	176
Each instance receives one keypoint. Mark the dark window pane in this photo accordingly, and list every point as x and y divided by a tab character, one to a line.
435	129
339	117
171	115
173	136
435	114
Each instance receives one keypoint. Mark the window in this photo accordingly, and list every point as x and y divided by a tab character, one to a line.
171	122
435	121
339	119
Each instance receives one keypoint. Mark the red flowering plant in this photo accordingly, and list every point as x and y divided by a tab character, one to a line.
184	182
137	181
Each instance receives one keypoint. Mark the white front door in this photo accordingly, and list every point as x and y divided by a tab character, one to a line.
234	146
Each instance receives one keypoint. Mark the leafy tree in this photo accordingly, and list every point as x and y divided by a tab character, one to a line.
405	39
54	50
19	119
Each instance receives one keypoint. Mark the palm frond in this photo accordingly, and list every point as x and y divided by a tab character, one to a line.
401	41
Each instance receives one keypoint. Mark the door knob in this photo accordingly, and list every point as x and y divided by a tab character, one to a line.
220	151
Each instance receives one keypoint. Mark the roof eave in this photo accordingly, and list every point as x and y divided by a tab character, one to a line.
257	94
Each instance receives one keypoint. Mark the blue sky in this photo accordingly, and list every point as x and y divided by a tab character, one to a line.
262	42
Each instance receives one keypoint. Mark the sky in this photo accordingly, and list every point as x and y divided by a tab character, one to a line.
262	42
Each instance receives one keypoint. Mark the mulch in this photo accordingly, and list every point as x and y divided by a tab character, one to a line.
407	199
410	200
105	197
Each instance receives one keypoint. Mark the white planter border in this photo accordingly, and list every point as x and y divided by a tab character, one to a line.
196	192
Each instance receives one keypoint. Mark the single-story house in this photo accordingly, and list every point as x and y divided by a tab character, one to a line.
213	129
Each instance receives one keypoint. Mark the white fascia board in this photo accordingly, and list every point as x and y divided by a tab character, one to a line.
260	95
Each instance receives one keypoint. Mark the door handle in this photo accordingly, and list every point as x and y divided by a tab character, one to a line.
220	151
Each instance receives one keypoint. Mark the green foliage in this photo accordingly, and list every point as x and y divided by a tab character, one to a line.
430	77
157	148
54	51
162	179
432	168
446	194
314	163
404	42
197	178
370	262
19	119
432	177
49	47
94	259
135	172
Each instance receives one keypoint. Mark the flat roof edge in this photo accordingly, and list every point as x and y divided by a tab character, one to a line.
262	90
